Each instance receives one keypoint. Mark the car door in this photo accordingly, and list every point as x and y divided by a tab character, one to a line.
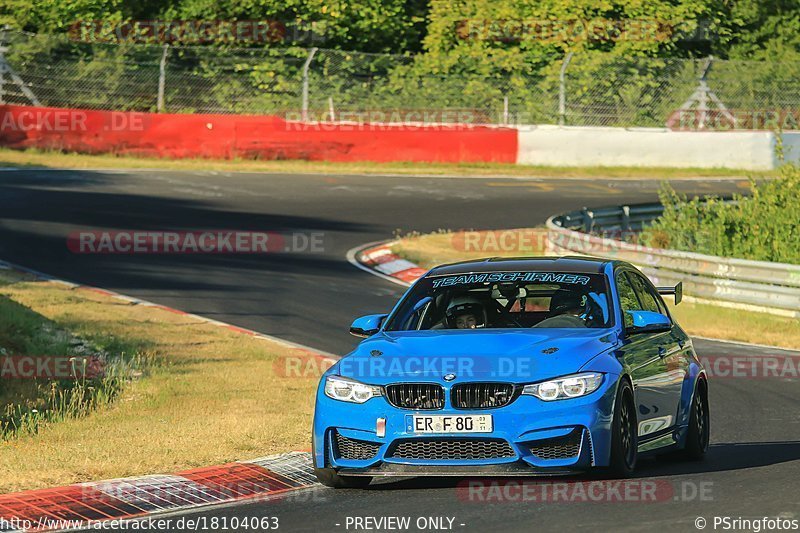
671	346
647	356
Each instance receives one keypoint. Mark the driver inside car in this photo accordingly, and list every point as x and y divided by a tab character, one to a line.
567	310
465	312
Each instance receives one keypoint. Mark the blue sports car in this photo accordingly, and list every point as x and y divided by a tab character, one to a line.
530	366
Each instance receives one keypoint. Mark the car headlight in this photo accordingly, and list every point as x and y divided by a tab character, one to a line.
572	386
348	390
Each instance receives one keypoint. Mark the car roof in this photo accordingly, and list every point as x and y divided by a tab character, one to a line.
570	264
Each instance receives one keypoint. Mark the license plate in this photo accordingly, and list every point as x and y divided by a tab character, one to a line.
449	423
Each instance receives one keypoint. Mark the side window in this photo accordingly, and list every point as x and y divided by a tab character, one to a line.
649	298
627	298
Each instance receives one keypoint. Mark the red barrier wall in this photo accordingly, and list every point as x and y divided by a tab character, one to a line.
247	136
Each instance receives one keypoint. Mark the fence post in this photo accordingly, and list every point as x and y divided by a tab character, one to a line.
5	68
162	79
562	90
304	105
505	110
3	49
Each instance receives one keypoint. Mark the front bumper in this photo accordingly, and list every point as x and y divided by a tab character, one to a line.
529	431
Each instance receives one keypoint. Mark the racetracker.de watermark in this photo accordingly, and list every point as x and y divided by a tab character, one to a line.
51	367
187	32
576	30
303	364
388	120
195	242
752	367
537	240
636	491
72	120
784	119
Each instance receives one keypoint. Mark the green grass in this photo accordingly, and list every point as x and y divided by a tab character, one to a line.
37	159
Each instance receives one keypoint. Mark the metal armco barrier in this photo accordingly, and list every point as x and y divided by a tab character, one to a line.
759	285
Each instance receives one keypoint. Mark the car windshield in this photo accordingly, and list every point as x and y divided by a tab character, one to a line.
505	300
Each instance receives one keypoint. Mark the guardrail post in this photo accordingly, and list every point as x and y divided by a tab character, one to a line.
588	220
626	218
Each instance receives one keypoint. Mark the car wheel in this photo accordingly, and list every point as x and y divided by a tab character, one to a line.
699	432
329	478
624	434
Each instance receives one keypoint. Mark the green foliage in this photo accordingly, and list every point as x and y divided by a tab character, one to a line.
494	37
367	25
634	62
764	226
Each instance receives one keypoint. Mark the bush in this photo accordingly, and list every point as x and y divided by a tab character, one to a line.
764	226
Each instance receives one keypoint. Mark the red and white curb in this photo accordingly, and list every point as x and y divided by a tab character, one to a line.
77	506
84	504
378	259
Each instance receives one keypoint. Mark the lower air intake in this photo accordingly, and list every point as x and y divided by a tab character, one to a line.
347	448
446	449
566	447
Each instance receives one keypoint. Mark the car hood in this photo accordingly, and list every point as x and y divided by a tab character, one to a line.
518	356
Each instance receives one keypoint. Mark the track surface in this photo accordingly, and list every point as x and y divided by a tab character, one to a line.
754	465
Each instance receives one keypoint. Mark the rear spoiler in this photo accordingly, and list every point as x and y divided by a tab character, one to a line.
677	290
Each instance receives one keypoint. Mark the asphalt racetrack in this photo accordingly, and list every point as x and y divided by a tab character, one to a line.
753	468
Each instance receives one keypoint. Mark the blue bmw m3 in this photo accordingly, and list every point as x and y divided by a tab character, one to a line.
531	366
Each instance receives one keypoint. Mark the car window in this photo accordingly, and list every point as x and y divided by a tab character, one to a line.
505	300
647	296
627	298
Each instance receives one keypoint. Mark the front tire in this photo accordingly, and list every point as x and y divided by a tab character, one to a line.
329	478
624	434
699	432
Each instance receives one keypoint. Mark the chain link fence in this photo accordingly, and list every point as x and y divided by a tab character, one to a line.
324	85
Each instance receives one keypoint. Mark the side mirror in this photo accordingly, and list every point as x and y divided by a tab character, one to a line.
647	322
676	291
366	326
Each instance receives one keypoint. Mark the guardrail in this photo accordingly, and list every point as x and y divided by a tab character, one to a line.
758	285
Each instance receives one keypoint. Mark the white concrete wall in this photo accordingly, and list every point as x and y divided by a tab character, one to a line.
651	147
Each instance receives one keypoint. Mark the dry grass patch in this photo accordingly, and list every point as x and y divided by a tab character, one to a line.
738	325
431	249
212	396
